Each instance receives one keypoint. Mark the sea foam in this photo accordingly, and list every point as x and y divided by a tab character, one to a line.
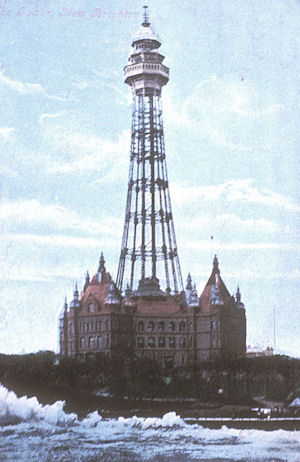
13	408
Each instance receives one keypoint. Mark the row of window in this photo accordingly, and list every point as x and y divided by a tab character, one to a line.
147	45
94	342
161	342
145	66
150	326
101	342
92	325
141	326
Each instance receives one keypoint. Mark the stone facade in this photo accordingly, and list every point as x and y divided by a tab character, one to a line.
175	330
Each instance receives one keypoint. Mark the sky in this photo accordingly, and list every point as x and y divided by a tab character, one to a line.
231	120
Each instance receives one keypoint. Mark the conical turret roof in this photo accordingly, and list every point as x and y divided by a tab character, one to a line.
215	292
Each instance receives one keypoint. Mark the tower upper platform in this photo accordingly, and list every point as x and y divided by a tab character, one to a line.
145	69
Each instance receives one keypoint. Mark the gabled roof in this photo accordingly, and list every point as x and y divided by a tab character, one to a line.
215	292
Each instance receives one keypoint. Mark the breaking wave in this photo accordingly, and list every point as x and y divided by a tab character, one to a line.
24	421
24	409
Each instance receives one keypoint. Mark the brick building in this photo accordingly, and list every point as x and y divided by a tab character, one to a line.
172	329
172	325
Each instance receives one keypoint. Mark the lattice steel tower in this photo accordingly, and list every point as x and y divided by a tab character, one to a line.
149	250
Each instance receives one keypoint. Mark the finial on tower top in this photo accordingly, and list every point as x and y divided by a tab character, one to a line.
101	268
189	282
76	292
238	295
216	265
146	22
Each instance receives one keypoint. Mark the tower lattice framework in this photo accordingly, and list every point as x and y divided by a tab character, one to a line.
149	250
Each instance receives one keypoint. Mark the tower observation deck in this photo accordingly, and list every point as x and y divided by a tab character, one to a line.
149	258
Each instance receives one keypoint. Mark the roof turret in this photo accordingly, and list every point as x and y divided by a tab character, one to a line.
215	292
189	282
87	281
112	297
193	299
238	299
128	301
75	303
101	268
191	293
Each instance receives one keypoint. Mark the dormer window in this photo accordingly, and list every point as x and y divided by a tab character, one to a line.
90	308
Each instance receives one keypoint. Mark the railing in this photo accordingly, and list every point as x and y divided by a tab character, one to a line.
146	67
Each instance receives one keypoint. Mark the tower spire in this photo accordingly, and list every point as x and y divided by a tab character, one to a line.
146	22
149	251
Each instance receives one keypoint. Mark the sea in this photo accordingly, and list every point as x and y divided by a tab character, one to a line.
32	432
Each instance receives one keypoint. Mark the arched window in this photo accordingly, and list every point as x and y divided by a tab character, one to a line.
84	327
161	342
92	325
182	326
182	342
91	342
140	342
82	342
171	326
90	308
151	342
140	326
161	326
99	341
150	326
172	342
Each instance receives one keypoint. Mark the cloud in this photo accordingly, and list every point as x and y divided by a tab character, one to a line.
245	275
241	274
124	96
34	89
9	172
50	116
241	190
205	222
226	111
34	273
34	213
6	133
205	245
89	153
59	240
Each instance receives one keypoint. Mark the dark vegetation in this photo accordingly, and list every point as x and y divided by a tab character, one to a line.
81	382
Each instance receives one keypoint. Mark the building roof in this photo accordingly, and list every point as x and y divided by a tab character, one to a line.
215	292
295	403
145	32
97	291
